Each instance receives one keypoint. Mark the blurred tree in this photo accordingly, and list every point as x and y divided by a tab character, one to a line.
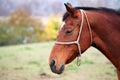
51	28
38	29
22	22
3	33
21	17
20	28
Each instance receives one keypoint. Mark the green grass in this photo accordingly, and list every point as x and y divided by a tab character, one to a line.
30	62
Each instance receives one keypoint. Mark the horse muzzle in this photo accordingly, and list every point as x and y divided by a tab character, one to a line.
56	69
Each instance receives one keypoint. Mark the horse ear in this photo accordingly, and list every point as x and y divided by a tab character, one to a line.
69	8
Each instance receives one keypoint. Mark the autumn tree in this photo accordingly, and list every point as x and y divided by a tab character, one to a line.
21	17
25	25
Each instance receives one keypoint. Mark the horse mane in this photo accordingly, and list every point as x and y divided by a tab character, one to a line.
109	10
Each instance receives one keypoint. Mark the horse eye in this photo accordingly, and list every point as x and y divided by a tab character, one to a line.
69	31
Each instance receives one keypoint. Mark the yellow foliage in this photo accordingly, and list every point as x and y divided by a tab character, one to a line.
52	26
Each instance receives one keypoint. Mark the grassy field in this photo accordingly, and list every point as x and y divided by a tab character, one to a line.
30	62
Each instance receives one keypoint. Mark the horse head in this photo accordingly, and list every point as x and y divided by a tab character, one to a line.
74	37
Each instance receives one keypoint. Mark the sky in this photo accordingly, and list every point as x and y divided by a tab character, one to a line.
46	7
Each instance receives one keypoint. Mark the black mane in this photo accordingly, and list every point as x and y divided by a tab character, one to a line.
117	12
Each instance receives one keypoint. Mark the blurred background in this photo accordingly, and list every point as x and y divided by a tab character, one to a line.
33	24
28	21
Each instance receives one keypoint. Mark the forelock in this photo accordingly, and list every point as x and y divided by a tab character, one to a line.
65	16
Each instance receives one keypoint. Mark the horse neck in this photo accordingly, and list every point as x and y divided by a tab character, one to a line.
102	27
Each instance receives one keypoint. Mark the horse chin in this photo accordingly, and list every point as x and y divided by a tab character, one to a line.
71	59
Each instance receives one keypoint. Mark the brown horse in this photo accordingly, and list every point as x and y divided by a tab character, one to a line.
97	27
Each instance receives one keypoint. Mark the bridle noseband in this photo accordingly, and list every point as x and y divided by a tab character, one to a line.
78	38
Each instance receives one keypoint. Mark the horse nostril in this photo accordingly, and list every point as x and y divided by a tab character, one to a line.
52	63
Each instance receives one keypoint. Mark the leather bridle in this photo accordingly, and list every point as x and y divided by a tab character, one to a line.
83	13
